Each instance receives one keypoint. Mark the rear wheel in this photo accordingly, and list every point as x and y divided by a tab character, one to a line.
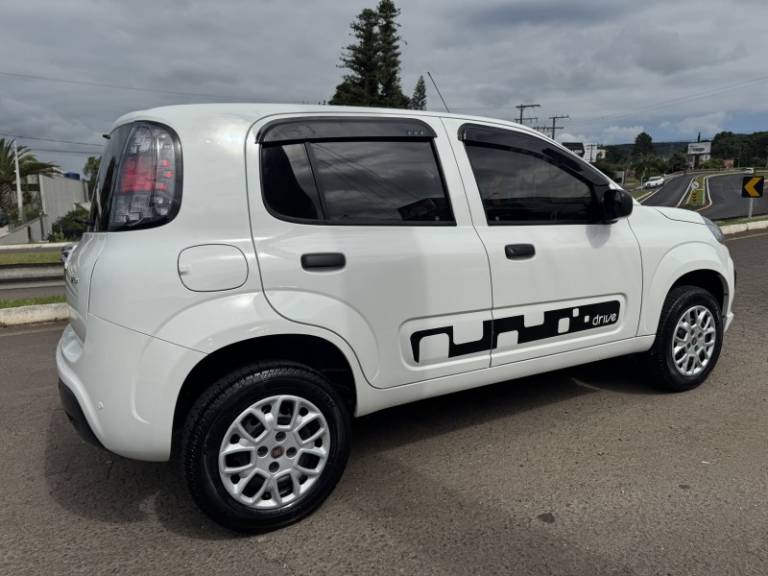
265	446
688	340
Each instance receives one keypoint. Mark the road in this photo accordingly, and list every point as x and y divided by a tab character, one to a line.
727	202
725	192
585	471
671	193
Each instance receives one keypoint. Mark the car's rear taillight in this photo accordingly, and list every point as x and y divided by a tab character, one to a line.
148	189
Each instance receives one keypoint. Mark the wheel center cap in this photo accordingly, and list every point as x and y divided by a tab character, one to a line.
277	451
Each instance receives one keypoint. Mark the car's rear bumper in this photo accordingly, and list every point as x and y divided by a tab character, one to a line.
121	386
76	416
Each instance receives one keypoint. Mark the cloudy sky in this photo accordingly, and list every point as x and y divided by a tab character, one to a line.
672	68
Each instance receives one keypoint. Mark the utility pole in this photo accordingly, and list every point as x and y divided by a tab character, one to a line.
555	127
522	108
529	118
19	198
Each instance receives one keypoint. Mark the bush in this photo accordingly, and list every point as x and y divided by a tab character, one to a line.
71	226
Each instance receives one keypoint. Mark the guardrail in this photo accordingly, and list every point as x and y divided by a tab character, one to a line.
22	273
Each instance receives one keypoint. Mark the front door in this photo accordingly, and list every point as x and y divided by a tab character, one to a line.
563	280
362	228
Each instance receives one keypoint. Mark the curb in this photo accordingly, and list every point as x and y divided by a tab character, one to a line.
744	227
33	314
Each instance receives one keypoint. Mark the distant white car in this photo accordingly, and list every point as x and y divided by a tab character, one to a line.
654	182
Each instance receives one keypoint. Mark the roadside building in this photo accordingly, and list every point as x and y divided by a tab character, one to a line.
698	152
59	194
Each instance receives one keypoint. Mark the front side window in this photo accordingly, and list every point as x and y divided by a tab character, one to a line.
518	186
376	182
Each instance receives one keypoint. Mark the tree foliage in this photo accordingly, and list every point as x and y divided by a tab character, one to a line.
373	61
390	92
28	165
643	145
71	226
91	172
419	98
360	87
745	149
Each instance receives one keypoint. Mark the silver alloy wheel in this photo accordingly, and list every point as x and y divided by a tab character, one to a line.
274	452
694	340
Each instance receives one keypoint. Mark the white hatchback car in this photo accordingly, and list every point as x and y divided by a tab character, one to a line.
255	275
654	182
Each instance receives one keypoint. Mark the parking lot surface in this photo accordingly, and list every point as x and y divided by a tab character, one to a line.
584	471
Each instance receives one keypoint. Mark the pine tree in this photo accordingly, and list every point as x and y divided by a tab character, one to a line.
419	98
390	92
360	87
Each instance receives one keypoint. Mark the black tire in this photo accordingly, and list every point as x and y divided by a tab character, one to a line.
217	409
660	361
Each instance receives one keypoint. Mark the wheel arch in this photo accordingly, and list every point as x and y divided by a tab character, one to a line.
695	264
310	350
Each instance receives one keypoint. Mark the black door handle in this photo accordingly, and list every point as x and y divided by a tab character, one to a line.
323	261
519	251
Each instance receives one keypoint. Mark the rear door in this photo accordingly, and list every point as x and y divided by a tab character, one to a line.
563	279
361	227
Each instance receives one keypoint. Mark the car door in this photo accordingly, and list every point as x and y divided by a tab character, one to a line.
361	227
563	279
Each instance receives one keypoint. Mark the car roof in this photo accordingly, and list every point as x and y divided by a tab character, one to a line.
252	112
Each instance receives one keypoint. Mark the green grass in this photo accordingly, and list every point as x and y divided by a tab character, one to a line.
30	301
46	257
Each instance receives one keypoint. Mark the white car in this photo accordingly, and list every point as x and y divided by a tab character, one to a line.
654	182
255	275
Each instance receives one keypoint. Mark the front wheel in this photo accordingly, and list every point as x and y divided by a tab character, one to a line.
265	446
688	340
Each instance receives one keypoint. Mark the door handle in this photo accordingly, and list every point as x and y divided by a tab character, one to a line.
519	251
324	261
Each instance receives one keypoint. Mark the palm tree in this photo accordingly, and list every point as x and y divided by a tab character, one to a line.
28	164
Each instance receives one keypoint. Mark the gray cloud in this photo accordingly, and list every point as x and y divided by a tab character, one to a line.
613	65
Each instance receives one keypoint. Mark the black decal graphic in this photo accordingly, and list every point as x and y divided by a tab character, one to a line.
556	323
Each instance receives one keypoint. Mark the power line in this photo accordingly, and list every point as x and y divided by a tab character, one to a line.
16	136
118	86
81	152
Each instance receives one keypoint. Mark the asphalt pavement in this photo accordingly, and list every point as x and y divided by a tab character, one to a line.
724	191
671	193
586	471
727	202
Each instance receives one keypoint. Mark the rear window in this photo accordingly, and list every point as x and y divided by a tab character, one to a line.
139	182
375	182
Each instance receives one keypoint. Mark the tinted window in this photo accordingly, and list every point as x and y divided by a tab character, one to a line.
356	182
517	186
289	186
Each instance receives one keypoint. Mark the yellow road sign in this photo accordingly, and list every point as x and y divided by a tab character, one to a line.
752	187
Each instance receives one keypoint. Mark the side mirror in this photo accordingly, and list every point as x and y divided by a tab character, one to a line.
616	204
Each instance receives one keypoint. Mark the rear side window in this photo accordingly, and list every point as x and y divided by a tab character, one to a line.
373	181
139	183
